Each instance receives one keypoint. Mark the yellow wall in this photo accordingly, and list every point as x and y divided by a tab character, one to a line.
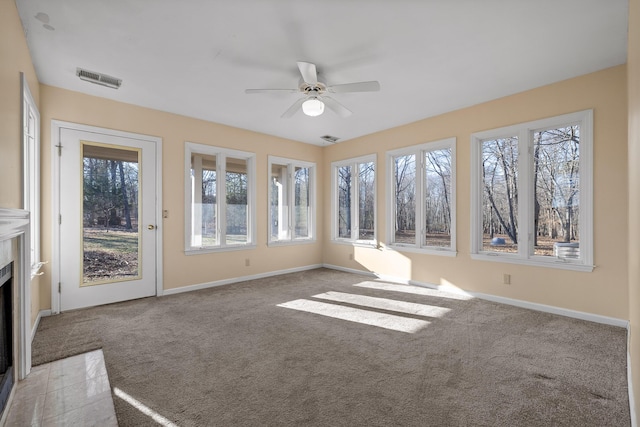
602	292
633	69
179	269
14	59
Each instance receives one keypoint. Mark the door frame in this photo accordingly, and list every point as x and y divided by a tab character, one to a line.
56	129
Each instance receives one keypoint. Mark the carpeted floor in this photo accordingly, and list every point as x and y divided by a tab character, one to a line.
234	356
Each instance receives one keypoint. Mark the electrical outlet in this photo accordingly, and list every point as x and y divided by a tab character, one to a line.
506	279
247	262
165	213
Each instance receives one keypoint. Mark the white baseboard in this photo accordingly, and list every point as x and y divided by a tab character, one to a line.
350	270
41	314
632	406
613	321
503	300
222	282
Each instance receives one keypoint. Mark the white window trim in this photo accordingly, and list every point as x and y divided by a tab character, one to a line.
291	164
355	231
419	151
524	132
222	154
31	173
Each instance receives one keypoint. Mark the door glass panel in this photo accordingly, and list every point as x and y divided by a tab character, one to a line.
110	232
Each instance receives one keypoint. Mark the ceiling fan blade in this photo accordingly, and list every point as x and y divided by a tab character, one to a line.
337	108
372	86
271	90
293	109
309	73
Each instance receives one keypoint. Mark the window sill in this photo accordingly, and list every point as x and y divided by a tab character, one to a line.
551	263
358	243
209	250
294	242
426	251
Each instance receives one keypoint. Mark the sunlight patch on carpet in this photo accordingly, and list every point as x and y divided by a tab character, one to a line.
385	304
143	408
411	289
372	318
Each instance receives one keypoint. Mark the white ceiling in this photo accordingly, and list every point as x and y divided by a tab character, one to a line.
196	57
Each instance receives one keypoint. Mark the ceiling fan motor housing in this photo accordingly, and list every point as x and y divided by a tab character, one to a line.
311	89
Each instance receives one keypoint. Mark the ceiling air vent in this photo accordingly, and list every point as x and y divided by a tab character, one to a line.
98	78
329	138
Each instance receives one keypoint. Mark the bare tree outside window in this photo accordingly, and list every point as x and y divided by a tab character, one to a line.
344	202
110	213
405	193
204	189
534	198
366	200
302	194
220	198
236	198
291	192
437	198
557	188
354	197
500	195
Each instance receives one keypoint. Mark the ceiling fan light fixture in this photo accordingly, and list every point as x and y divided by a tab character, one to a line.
313	107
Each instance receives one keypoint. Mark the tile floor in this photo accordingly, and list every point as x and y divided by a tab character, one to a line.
70	392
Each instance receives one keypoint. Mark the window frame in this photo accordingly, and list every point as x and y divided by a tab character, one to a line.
419	152
31	189
355	202
525	133
221	155
291	164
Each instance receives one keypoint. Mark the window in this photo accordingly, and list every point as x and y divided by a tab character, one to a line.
31	170
219	197
354	200
422	197
291	200
532	193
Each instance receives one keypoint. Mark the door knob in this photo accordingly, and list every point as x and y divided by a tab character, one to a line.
151	227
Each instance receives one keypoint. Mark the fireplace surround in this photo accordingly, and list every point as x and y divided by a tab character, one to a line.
14	250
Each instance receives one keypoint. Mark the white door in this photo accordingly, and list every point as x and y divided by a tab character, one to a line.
108	223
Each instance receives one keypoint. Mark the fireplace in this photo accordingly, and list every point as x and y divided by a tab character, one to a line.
15	300
6	334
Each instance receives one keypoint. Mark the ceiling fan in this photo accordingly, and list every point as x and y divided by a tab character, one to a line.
315	93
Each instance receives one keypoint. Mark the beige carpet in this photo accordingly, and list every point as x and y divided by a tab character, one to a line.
235	356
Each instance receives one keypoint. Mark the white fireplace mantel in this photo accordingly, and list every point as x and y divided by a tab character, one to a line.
14	224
